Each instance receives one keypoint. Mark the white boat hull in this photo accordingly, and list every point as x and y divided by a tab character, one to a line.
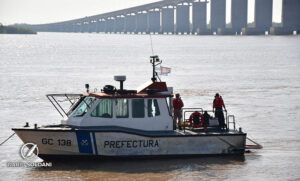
118	143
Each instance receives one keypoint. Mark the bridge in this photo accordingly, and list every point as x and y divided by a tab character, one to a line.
173	17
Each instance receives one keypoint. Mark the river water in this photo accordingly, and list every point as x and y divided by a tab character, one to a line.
257	76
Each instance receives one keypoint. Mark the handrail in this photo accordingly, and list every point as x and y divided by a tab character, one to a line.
57	106
54	105
233	121
189	110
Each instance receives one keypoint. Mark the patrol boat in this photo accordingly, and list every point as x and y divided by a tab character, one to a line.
124	123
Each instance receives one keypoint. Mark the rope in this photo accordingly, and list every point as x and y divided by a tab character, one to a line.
7	139
250	138
258	146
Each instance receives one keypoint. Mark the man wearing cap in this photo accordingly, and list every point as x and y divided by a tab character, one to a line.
177	110
218	105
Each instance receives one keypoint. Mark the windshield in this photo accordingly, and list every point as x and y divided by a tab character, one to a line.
83	107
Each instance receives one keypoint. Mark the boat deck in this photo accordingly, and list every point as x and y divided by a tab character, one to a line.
212	131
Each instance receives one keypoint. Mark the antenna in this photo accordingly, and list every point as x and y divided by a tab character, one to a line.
151	44
154	60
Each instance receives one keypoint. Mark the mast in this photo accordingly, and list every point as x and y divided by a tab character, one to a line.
154	60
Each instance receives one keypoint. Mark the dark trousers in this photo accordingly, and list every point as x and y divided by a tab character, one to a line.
177	115
219	114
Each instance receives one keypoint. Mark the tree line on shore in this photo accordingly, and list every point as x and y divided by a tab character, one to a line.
15	30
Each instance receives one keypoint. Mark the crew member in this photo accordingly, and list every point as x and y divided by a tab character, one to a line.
196	119
206	117
218	105
177	110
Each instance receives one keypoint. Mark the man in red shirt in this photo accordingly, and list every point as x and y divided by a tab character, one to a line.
218	105
177	110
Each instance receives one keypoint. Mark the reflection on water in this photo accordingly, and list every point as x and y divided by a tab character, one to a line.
144	165
154	168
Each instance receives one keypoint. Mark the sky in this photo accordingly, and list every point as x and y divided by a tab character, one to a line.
47	11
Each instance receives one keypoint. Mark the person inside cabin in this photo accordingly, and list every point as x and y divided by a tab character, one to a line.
177	110
218	106
196	119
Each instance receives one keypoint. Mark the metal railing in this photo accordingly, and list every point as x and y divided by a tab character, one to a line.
229	119
233	121
63	112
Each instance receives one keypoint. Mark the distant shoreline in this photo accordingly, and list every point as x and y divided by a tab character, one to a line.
15	30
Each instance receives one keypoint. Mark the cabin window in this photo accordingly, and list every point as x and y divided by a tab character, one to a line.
103	109
122	108
153	109
138	108
83	107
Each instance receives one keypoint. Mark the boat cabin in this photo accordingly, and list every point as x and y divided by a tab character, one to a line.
145	109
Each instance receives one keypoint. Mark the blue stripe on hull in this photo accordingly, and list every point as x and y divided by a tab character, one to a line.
95	143
84	142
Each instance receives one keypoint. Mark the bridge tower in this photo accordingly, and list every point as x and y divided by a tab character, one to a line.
93	25
199	17
85	26
142	22
291	14
74	27
263	15
119	26
217	15
167	19
109	24
183	18
154	21
101	25
130	23
77	27
239	14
